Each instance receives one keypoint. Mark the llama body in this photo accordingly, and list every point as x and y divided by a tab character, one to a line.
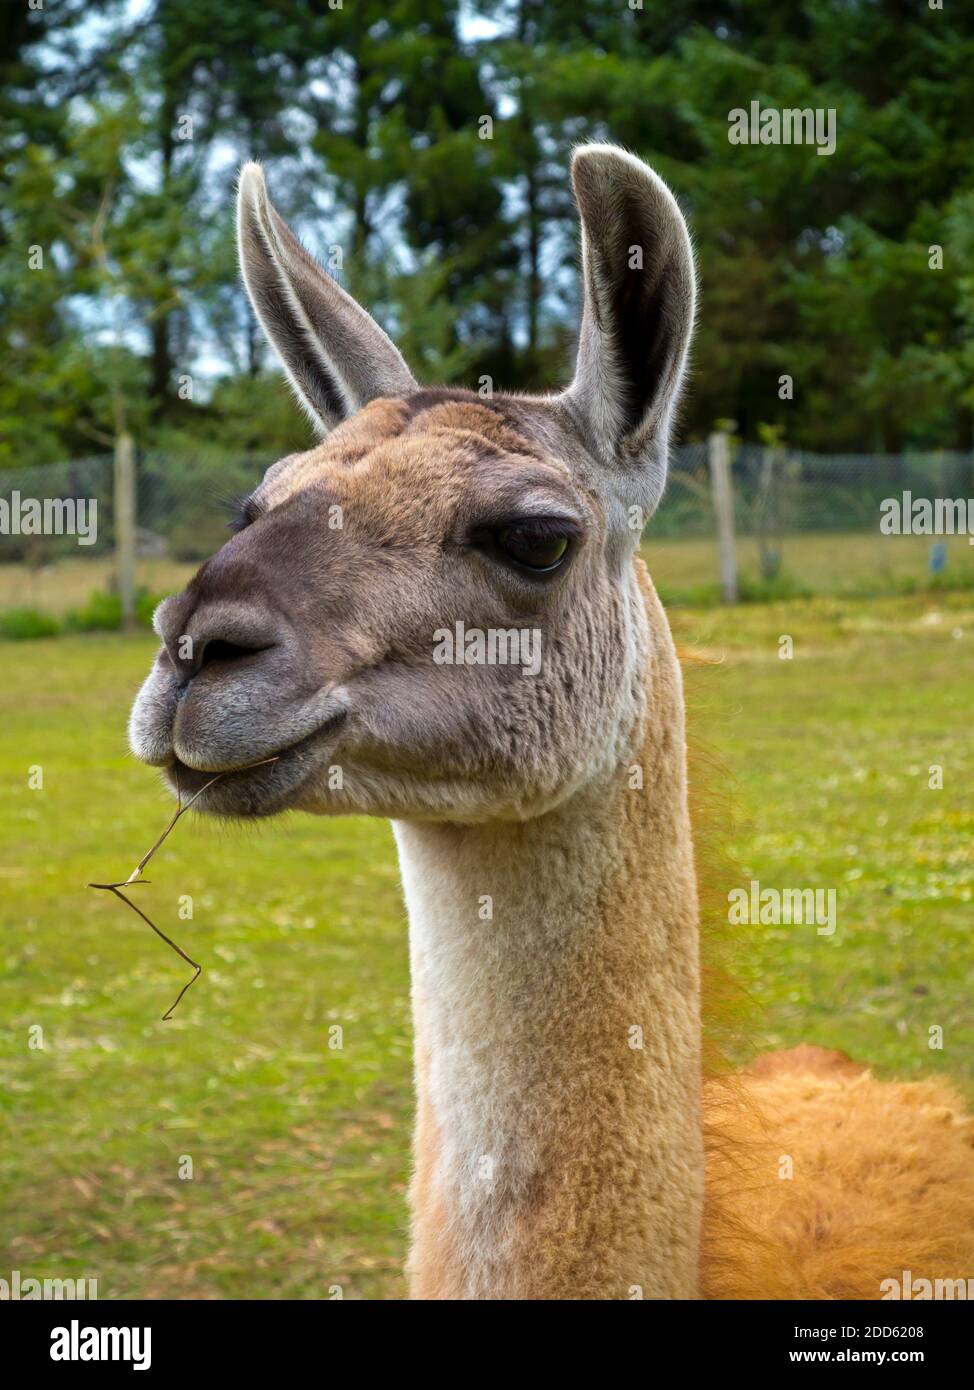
541	817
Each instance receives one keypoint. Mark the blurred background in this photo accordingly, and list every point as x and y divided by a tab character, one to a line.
420	148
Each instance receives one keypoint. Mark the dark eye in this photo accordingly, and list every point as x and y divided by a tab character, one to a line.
537	545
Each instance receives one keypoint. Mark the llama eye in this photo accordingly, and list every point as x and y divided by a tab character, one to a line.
537	545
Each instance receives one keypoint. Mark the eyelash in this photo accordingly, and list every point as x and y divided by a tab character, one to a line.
245	514
488	537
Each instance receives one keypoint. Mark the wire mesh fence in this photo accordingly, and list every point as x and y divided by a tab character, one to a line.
802	523
182	506
806	523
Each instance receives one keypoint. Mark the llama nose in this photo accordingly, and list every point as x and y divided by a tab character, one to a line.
210	636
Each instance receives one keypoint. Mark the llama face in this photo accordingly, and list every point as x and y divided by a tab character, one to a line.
433	612
425	615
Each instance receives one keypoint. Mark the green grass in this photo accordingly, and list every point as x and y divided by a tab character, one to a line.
829	756
300	1151
26	624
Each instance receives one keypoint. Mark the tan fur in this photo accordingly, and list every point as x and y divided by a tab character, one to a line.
429	1271
599	1160
883	1182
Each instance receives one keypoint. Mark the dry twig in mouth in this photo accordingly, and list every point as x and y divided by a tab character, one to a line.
135	877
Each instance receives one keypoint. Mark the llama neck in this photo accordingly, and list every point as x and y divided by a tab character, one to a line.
555	994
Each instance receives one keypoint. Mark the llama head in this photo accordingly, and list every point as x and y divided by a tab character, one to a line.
432	613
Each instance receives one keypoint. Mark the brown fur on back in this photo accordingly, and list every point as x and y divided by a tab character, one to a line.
806	1059
883	1181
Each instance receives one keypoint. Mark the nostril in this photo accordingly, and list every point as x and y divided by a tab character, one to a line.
218	650
217	635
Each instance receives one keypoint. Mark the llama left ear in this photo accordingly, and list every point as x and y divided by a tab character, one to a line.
637	320
335	355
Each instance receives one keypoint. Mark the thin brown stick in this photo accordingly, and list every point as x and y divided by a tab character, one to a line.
135	877
117	890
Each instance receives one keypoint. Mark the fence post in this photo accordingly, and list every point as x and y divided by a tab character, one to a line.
124	509
718	450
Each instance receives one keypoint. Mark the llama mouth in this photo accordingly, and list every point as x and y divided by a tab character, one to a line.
259	788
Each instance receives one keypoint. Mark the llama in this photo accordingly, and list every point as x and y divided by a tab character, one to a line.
566	1144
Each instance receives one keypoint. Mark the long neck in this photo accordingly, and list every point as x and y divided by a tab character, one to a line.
555	994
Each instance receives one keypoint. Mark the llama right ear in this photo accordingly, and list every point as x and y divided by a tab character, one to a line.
336	356
637	320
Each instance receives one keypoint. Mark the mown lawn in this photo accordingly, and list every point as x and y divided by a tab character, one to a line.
300	1149
829	759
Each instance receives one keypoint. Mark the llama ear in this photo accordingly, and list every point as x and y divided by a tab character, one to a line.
336	356
637	319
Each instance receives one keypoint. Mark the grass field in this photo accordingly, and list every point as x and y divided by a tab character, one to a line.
299	1150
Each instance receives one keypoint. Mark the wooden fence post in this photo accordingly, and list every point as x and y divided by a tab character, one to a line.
124	509
718	450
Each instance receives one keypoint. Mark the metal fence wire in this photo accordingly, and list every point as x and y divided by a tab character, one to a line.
813	518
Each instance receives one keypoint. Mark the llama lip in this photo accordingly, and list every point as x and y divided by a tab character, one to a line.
255	788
